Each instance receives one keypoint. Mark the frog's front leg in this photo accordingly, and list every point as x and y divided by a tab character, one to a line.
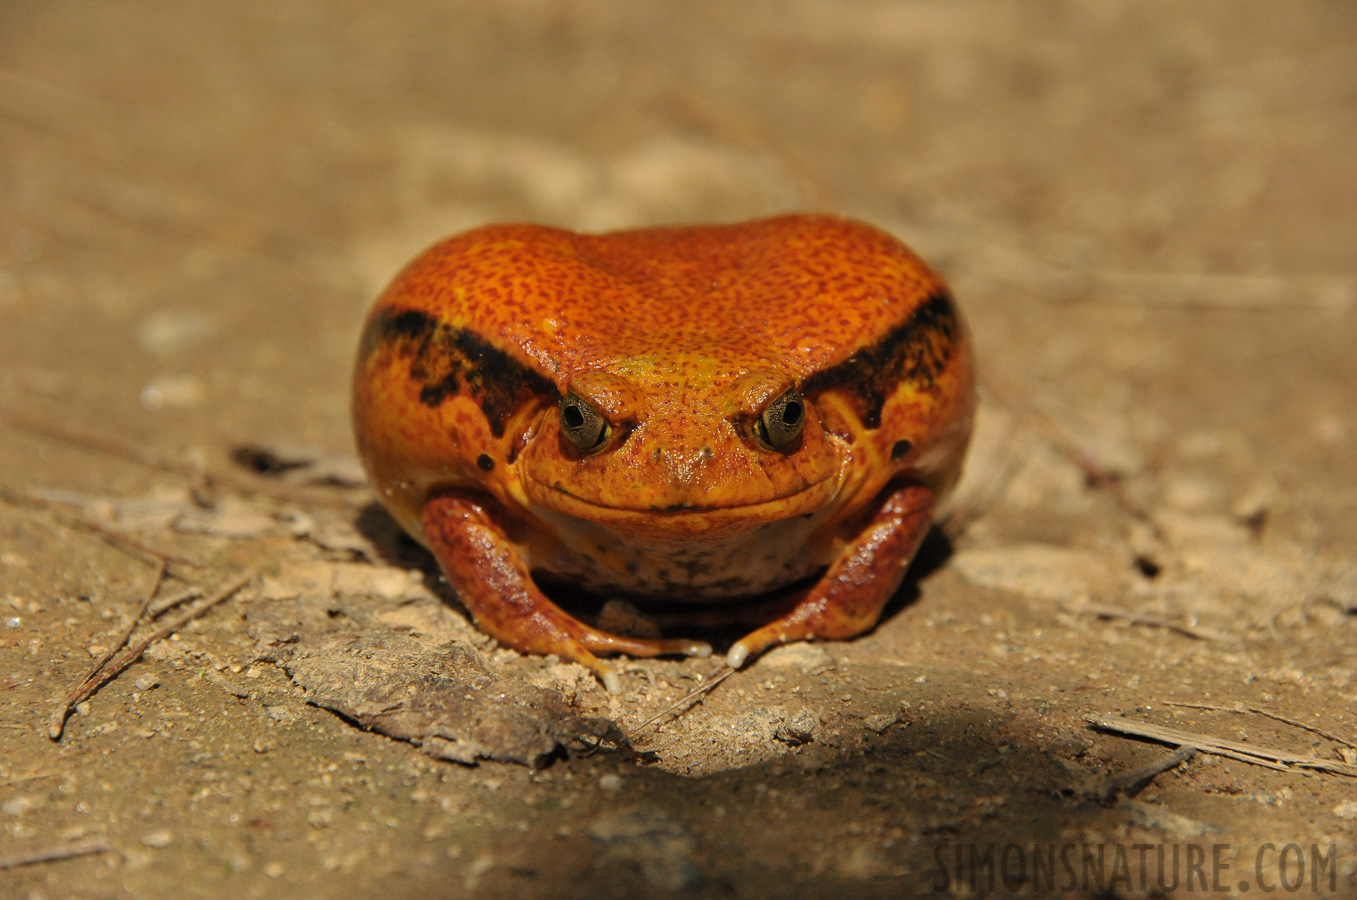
493	582
848	599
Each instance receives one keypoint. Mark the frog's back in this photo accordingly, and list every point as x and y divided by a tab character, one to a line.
808	291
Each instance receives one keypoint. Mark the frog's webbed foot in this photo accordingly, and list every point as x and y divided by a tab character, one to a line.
848	599
494	584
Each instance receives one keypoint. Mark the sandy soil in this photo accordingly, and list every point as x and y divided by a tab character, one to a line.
1146	212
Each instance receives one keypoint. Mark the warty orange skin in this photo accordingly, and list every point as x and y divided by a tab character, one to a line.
778	401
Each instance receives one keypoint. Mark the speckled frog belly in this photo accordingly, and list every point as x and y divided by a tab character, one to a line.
725	569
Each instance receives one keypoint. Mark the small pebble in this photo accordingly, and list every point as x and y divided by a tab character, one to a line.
880	723
799	728
273	869
145	682
174	391
281	714
610	782
158	839
170	331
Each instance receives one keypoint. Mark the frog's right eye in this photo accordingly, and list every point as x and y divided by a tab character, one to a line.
581	424
781	422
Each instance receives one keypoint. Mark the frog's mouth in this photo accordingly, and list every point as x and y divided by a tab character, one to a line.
683	518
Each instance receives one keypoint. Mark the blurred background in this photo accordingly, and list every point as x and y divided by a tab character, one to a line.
202	199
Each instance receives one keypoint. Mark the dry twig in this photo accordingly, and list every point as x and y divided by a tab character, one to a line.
1095	473
115	539
165	604
697	694
1111	612
1254	754
1131	783
78	693
36	776
87	440
156	580
1314	729
52	854
118	665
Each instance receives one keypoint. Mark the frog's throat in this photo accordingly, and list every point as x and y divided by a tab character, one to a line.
810	499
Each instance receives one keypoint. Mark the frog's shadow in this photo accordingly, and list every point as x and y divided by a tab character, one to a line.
390	544
396	548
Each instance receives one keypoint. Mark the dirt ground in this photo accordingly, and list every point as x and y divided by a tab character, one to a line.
1146	212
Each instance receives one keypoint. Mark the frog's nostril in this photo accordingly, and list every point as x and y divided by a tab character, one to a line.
706	454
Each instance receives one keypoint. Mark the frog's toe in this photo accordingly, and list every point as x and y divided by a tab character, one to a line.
611	682
765	638
699	649
606	674
737	655
680	647
601	642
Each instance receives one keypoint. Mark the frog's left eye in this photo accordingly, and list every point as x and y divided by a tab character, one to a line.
582	425
781	421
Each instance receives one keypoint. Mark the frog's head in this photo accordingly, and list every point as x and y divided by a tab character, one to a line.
668	383
677	443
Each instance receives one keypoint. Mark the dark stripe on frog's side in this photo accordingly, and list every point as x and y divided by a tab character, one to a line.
915	351
448	361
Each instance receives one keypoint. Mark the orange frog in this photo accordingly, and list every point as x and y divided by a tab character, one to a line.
696	415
